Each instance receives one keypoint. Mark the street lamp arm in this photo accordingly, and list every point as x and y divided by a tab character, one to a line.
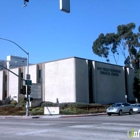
15	44
22	50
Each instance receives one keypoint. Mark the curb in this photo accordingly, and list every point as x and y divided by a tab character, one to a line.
84	115
51	116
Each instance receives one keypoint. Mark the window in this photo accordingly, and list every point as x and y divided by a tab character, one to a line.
21	74
126	104
40	73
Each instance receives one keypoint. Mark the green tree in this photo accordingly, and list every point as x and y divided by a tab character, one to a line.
113	43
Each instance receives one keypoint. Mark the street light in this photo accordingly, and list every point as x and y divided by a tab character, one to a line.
27	73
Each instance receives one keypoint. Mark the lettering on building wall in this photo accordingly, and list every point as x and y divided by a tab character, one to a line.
108	71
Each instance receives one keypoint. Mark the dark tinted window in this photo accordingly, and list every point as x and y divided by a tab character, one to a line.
115	105
40	73
126	104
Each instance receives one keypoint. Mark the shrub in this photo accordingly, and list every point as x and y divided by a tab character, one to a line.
13	102
22	103
1	103
43	104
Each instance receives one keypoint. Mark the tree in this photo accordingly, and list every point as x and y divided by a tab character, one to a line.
113	43
124	40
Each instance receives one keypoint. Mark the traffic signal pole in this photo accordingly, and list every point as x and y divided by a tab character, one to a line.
27	72
27	78
13	73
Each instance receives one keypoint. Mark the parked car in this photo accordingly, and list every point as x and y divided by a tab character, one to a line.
136	108
119	108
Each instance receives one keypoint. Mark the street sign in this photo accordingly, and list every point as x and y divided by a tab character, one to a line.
28	82
36	92
51	110
65	6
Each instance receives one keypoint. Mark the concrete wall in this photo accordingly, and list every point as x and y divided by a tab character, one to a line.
60	81
82	81
33	69
43	81
108	84
1	84
14	84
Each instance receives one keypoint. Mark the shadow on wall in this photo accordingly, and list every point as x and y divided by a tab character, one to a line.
82	80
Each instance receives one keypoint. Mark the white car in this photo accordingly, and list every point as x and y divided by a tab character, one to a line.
136	108
119	108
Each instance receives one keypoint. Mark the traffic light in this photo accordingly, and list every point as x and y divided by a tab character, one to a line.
137	63
28	89
23	90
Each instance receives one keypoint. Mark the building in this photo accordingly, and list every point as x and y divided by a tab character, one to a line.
71	80
3	63
15	61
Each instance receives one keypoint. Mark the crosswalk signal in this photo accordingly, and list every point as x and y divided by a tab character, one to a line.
23	90
28	89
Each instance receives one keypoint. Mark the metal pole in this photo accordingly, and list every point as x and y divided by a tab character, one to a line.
27	78
27	73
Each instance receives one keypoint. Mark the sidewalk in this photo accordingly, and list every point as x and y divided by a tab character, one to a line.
51	116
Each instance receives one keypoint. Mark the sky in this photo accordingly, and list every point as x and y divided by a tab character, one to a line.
49	34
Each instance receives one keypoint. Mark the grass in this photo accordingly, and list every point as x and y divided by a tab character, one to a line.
65	108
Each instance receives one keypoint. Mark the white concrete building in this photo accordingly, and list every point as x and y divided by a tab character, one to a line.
15	61
72	80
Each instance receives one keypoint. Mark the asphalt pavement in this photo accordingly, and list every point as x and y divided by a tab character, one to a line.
70	127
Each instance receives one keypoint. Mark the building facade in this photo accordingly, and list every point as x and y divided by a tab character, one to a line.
71	80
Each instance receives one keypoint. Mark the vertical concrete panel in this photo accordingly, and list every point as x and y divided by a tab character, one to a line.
33	73
24	72
82	80
60	81
43	82
21	96
14	84
1	84
129	84
94	83
109	83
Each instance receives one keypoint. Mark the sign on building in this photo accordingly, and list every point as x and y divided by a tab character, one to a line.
36	91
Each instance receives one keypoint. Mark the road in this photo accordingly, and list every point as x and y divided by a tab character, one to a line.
72	128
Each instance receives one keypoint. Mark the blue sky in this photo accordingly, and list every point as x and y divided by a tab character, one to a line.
50	34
